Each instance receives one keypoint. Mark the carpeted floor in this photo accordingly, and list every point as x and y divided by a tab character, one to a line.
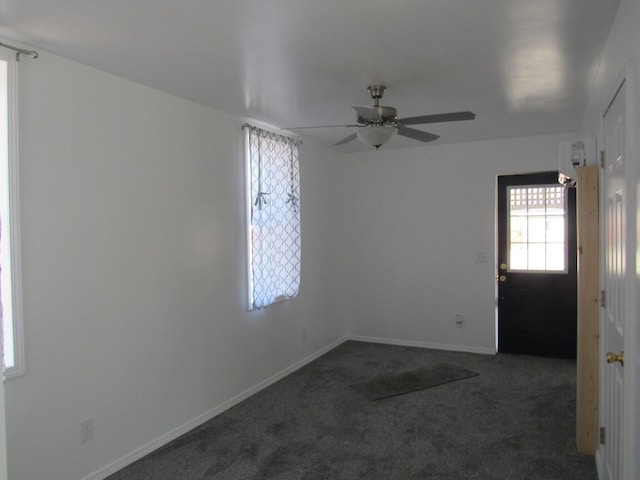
515	420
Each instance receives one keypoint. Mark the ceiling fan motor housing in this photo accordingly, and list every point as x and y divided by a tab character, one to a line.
386	115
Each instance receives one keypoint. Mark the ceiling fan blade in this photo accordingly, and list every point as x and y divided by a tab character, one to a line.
437	118
417	134
348	139
319	126
368	114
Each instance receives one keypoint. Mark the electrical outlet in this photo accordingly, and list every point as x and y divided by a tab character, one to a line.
459	320
481	257
86	429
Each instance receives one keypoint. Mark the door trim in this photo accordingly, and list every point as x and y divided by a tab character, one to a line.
631	399
632	332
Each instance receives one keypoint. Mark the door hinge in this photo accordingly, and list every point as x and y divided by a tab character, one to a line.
602	159
603	298
602	436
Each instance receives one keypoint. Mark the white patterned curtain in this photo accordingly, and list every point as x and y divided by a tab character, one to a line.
274	237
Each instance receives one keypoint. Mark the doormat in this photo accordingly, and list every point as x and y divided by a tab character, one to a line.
411	381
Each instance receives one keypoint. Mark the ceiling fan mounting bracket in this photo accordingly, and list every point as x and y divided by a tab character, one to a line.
376	91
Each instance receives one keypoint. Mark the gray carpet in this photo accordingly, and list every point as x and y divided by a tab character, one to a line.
516	420
404	382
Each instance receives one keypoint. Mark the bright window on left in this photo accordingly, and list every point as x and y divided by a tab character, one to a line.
273	201
9	239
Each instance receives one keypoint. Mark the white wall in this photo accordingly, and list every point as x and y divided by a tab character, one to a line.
418	217
132	209
622	45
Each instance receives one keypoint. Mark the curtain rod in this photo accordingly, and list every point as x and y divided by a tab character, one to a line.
248	125
31	53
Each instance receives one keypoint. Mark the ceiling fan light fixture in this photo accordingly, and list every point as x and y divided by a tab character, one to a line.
376	135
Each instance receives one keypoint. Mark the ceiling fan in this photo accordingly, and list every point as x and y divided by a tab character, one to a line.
378	124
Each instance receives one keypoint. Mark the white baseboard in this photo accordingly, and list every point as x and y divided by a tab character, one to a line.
140	452
435	346
599	463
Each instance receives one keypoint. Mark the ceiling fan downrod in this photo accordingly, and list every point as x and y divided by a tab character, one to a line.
376	91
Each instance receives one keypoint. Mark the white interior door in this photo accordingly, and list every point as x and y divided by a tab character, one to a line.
618	266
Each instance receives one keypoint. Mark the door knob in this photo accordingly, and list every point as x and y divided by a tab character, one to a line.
502	278
615	357
503	266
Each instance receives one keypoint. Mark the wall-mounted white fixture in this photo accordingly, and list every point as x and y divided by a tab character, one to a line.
574	154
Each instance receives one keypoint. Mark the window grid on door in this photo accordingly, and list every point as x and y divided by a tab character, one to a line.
537	237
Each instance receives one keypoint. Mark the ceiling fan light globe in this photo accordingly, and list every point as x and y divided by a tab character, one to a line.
376	135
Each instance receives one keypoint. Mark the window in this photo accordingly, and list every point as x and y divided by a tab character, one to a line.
9	240
537	228
273	210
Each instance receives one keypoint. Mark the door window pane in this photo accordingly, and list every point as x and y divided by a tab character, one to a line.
518	256
555	256
518	229
537	228
555	229
535	256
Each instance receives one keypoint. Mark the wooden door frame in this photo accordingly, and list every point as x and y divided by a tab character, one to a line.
588	357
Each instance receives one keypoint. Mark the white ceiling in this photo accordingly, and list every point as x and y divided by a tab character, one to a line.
523	66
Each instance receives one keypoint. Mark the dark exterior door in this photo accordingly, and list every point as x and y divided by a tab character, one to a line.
537	282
